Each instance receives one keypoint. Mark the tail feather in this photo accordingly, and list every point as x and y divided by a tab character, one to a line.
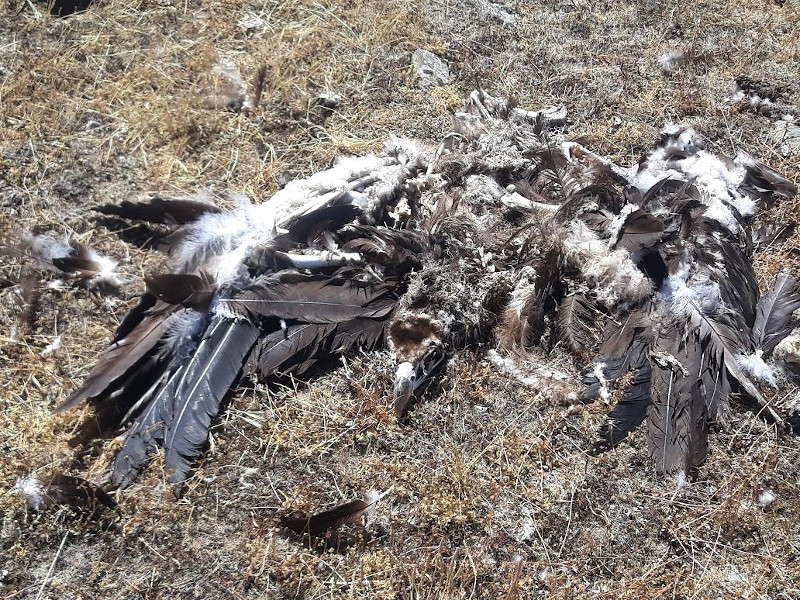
677	415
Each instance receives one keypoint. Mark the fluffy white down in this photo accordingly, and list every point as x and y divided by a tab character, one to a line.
670	61
754	365
617	222
51	348
683	299
525	287
45	248
481	190
599	373
219	242
31	489
209	243
613	276
766	498
107	274
716	180
507	366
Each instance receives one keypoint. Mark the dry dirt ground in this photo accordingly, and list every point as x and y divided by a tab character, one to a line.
494	493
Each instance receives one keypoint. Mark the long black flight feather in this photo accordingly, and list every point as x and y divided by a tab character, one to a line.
170	211
207	377
629	412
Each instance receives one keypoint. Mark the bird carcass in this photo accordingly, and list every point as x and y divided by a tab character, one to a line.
501	237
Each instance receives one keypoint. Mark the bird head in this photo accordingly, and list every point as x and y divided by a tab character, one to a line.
419	352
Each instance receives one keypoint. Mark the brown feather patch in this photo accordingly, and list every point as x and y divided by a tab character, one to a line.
411	334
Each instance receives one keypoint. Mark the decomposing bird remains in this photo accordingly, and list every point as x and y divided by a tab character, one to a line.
503	239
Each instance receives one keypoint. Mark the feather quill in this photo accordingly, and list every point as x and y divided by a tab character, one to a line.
314	299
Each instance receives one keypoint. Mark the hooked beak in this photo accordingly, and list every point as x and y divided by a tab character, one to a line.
404	385
409	377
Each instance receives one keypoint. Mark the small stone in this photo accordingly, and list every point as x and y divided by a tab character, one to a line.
788	352
787	134
250	21
500	11
431	70
285	177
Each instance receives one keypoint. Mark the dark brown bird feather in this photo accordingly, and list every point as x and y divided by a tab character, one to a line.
160	209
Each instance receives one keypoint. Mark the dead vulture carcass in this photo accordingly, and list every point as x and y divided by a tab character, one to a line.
499	237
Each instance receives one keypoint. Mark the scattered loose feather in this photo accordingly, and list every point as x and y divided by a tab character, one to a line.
320	523
775	311
29	297
69	259
42	493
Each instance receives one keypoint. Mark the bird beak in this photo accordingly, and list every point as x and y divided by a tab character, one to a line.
404	386
409	377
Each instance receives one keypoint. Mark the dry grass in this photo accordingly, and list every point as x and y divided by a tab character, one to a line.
108	103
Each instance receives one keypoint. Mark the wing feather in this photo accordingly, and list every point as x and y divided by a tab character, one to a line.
209	374
315	299
123	354
159	209
774	313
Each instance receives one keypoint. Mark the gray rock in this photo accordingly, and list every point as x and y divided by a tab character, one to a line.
431	70
787	134
497	10
788	353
